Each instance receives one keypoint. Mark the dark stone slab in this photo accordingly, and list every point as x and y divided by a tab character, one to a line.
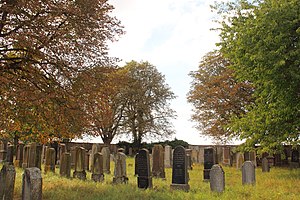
143	169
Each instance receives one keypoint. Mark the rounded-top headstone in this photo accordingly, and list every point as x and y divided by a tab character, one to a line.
217	178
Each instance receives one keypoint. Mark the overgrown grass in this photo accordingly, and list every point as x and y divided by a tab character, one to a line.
280	183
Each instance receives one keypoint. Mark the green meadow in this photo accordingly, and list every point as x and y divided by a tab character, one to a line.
280	183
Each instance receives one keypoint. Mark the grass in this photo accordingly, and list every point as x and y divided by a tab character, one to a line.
280	183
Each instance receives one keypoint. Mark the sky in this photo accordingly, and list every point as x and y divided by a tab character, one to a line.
172	35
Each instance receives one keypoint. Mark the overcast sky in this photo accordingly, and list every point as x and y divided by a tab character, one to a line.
173	35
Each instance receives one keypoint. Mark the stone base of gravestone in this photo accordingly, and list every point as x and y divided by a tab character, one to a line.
119	180
32	184
98	177
7	182
144	182
184	187
294	165
206	174
80	175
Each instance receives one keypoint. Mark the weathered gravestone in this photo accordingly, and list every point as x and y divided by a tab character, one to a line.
95	149
179	171
294	159
265	165
50	160
10	155
239	160
79	171
19	156
62	149
226	156
168	156
87	160
120	175
130	151
144	178
217	178
250	156
194	156
248	173
32	184
106	159
35	155
25	156
73	155
189	159
209	161
7	182
3	150
65	165
97	170
158	166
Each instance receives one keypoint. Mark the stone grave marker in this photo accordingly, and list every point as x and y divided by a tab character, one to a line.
239	160
87	160
35	155
189	159
73	155
10	155
179	171
168	156
209	161
7	182
3	150
95	149
194	156
294	159
32	184
97	170
25	156
144	178
120	175
248	173
50	160
265	165
106	159
217	179
130	151
158	166
79	171
19	155
65	165
226	156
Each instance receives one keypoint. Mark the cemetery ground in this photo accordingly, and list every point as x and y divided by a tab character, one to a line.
280	183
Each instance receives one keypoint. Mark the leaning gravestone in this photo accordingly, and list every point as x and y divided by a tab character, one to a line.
217	178
265	165
79	171
65	165
179	171
120	175
106	159
158	166
50	160
97	170
248	173
144	178
209	161
7	182
32	184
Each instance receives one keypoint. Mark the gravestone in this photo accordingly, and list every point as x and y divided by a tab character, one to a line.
194	156
239	160
209	161
189	159
32	184
65	165
35	155
3	150
50	160
19	156
7	182
179	171
226	156
217	178
10	155
87	160
265	165
97	170
79	171
25	156
73	155
106	159
158	166
294	159
95	149
120	175
248	173
144	178
130	151
168	156
62	149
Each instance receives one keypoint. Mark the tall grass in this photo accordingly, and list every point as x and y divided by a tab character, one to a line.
280	183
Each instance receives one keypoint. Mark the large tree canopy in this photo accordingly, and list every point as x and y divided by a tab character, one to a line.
43	45
261	40
217	96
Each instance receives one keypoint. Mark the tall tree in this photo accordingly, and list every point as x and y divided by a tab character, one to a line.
43	45
217	97
261	39
147	108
